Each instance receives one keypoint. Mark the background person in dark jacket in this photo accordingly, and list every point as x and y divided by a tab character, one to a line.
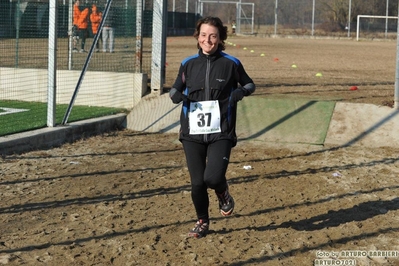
210	84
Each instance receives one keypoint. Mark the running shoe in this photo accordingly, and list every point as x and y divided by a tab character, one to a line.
200	229
226	203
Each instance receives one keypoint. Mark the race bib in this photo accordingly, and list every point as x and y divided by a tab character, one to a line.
204	117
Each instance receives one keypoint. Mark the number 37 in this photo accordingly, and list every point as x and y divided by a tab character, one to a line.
204	119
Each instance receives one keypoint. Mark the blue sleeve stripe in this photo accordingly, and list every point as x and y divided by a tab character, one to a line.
232	58
185	104
188	59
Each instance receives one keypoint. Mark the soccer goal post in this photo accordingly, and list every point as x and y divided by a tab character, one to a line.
241	19
359	17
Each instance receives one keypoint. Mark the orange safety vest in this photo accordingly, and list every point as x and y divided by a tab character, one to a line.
80	18
76	14
83	20
95	18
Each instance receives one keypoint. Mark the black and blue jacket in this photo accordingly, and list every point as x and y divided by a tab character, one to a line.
204	77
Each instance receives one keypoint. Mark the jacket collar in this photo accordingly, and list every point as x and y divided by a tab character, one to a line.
212	57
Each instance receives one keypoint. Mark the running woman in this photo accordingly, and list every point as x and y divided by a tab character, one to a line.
209	83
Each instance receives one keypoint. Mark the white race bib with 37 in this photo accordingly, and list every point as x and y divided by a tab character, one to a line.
204	117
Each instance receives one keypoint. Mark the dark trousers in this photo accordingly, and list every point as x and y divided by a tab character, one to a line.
82	33
207	165
98	41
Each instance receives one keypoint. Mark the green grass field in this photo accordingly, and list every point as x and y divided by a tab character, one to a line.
33	115
33	54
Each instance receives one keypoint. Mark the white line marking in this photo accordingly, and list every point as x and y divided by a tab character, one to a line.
7	111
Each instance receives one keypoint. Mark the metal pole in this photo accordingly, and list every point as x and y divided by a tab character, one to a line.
139	36
174	10
10	25
52	64
275	18
238	18
313	17
86	64
158	53
396	96
253	17
18	22
70	39
386	20
349	18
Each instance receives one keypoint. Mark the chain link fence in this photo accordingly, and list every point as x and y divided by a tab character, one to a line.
109	79
24	48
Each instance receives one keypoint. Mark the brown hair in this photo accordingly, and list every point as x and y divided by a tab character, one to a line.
216	22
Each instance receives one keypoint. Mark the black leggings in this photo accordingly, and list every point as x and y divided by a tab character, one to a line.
207	165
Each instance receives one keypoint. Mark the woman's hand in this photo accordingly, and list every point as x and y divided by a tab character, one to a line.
177	96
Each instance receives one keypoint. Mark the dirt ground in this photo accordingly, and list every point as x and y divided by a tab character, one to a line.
320	69
123	198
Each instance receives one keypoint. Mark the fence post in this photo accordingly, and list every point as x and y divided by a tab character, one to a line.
139	36
159	26
52	65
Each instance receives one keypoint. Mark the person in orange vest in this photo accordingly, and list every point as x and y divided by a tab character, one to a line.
95	19
75	35
81	23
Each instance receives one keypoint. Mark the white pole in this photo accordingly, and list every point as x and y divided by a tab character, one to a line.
349	18
253	17
158	45
186	6
275	18
52	64
396	96
313	17
139	36
174	10
70	41
386	20
238	17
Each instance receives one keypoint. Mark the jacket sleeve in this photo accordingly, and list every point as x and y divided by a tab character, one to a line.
76	14
180	82
245	81
83	19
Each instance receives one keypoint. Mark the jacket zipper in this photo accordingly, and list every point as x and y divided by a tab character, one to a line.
207	87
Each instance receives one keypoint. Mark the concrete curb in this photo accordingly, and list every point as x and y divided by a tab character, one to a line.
52	137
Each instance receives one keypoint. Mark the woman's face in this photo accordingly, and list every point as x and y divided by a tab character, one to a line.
208	38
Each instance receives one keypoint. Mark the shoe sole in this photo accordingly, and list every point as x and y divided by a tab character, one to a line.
196	235
223	213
